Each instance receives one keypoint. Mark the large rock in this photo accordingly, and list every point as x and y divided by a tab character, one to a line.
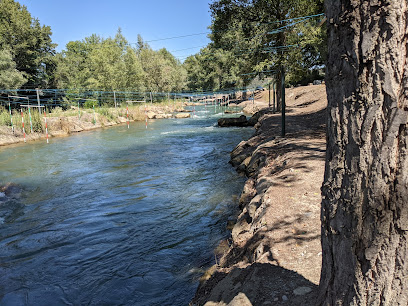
163	116
225	122
151	115
182	115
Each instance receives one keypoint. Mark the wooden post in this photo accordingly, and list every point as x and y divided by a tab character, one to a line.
269	87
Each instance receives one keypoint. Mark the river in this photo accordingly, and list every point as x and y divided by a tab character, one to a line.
116	216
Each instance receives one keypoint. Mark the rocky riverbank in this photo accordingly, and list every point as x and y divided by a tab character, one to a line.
273	256
64	123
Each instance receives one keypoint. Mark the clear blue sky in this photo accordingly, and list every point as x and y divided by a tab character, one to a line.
153	19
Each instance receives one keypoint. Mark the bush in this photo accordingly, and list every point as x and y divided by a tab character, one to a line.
105	112
5	117
90	104
37	122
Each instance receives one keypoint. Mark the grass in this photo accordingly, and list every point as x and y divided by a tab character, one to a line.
105	114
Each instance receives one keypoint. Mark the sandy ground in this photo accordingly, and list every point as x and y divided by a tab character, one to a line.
273	256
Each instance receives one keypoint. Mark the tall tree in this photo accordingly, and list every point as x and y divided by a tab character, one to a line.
212	69
29	42
163	72
365	189
10	77
257	31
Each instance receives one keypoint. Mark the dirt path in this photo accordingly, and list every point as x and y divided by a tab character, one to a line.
274	256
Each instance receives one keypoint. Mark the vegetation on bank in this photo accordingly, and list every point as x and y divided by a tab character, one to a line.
241	33
95	115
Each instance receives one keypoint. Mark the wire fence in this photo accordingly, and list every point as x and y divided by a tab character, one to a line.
84	98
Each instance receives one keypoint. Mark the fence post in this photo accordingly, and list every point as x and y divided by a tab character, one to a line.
283	104
114	98
274	97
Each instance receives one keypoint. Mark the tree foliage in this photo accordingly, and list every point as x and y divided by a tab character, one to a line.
253	33
10	77
113	64
28	42
212	69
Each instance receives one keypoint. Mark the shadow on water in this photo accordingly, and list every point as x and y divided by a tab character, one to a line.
116	216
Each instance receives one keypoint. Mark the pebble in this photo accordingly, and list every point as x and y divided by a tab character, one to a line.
284	298
302	290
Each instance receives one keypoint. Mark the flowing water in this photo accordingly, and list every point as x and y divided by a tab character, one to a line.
116	216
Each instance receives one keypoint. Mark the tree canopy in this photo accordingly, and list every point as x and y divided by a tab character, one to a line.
247	36
10	77
260	35
28	42
113	64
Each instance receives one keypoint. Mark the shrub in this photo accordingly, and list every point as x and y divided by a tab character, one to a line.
37	122
5	117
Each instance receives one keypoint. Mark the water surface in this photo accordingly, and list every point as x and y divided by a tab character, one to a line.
116	216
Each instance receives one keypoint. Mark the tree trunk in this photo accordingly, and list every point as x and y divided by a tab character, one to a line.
365	190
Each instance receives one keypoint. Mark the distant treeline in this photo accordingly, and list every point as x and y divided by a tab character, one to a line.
238	50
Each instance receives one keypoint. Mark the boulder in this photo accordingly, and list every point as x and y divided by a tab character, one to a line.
182	115
163	116
151	115
225	122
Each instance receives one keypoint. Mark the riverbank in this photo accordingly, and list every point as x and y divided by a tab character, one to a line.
63	123
273	256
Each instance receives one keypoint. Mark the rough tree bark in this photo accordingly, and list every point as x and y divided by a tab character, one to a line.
365	190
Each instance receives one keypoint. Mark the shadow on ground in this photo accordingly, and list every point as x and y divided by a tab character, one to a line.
257	284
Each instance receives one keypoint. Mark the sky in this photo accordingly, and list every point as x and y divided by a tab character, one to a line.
152	19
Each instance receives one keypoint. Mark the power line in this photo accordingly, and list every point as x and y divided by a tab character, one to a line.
300	19
188	48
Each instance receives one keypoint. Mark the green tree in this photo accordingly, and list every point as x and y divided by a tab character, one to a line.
73	64
163	72
257	31
212	69
96	63
29	43
10	77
